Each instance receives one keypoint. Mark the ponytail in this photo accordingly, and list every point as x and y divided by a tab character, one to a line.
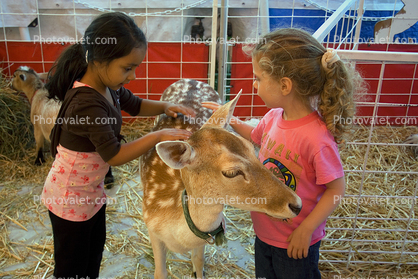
336	101
70	66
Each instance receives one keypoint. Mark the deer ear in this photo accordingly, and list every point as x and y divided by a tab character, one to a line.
176	154
221	117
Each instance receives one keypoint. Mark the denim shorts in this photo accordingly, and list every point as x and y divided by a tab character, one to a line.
272	262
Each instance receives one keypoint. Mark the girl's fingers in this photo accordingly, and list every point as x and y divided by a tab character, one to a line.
173	110
187	111
211	105
175	134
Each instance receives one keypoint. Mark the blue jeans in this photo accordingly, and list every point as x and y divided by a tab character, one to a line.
272	262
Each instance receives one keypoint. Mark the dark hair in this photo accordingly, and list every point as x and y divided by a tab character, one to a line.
108	37
296	54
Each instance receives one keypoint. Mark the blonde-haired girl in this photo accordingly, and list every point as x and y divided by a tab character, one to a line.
309	89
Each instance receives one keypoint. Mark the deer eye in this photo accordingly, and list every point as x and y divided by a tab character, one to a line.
232	173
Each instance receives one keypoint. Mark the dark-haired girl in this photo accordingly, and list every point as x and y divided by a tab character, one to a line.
89	77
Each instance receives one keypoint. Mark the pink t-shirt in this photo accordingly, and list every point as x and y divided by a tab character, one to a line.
303	154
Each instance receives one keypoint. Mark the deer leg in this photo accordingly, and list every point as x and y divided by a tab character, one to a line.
39	139
198	260
159	249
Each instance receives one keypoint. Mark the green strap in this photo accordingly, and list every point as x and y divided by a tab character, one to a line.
203	235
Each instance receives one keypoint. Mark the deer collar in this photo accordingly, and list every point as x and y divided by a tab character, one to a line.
216	236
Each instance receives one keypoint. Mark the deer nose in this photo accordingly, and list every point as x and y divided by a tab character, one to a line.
295	209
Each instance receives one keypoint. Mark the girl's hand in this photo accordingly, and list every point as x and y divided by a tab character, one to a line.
172	110
211	105
173	134
300	241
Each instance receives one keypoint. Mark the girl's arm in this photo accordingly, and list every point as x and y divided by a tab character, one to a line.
132	150
240	127
151	108
300	239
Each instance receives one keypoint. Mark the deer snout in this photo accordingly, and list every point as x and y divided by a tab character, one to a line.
295	208
295	205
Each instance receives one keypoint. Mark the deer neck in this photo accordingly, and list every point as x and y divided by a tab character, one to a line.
205	214
207	222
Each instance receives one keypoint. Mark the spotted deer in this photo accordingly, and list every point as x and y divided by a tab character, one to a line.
187	183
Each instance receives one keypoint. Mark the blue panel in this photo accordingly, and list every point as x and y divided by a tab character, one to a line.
284	22
280	12
314	23
311	20
308	12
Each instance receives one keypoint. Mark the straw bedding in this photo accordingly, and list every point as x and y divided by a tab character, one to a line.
16	132
127	236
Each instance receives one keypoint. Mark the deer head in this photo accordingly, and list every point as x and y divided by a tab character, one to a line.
221	167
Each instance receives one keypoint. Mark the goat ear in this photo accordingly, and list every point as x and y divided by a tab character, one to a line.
43	76
22	77
176	154
221	117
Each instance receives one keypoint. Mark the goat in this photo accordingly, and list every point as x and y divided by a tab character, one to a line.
187	183
29	82
43	111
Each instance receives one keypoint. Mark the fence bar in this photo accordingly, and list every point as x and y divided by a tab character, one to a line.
327	26
381	56
213	45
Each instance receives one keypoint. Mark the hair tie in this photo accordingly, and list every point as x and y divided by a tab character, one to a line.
87	55
329	58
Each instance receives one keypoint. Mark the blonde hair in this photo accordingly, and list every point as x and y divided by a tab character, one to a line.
295	54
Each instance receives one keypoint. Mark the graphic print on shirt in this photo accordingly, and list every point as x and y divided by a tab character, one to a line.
279	160
281	172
